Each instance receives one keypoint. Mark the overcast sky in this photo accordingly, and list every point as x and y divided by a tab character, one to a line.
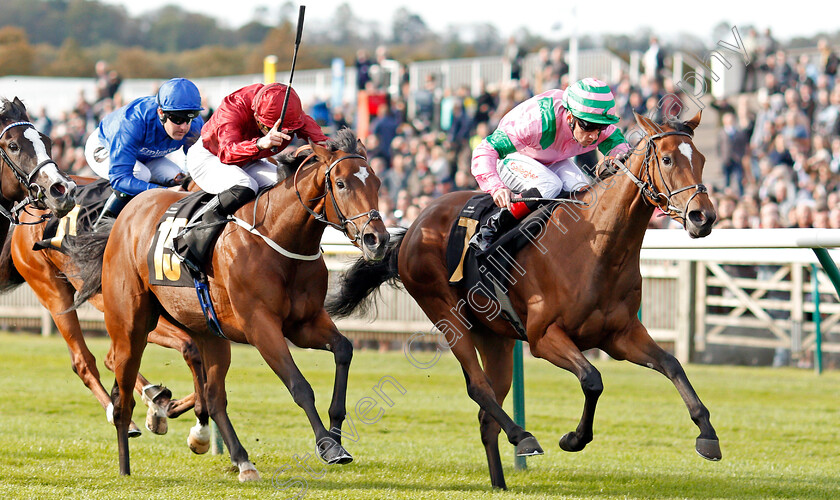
668	18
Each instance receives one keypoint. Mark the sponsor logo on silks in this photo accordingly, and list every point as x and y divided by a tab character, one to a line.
168	267
66	226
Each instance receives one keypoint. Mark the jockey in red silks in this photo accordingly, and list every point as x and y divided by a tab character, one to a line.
230	158
531	150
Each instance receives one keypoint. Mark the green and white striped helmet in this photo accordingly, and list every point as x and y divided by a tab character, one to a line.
591	100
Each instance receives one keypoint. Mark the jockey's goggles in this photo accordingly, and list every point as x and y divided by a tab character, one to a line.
591	127
180	117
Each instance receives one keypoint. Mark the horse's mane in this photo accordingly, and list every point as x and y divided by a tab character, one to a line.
344	140
12	111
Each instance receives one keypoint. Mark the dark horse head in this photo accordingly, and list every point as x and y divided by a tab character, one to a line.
28	172
669	171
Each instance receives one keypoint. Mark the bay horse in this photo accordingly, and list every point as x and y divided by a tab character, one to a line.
52	279
27	172
579	288
265	290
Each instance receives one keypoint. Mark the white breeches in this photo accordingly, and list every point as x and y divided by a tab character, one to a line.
520	173
159	171
213	176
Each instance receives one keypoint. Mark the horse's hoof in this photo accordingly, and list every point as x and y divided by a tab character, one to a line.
708	449
571	442
156	422
528	447
333	453
156	394
247	472
134	431
199	439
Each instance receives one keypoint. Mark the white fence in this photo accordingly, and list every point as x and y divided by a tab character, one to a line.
692	299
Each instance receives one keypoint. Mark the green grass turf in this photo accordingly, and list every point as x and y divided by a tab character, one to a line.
779	432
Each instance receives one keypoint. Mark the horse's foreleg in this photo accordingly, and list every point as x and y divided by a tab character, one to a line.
557	348
215	353
322	334
274	350
637	347
127	345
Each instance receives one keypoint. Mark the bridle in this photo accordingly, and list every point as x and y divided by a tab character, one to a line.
36	192
652	196
343	222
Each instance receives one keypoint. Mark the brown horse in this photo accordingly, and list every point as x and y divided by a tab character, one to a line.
578	287
27	172
264	290
54	284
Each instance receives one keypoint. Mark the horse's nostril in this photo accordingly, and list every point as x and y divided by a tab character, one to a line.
57	190
697	217
370	240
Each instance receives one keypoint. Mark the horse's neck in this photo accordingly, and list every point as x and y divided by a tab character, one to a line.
285	219
620	216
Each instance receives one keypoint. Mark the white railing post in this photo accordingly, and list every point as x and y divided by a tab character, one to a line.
700	307
683	348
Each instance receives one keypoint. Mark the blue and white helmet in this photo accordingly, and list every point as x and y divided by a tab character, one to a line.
179	95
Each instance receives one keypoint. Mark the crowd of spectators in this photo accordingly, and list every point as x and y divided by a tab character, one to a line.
778	144
779	141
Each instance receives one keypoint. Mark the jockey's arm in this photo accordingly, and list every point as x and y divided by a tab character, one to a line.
611	142
513	134
123	154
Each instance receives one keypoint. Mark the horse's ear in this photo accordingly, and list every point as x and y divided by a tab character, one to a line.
321	152
647	124
361	148
19	103
692	124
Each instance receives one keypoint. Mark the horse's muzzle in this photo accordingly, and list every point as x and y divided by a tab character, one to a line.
374	244
699	223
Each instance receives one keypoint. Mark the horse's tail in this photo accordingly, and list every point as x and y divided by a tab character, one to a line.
85	252
357	284
10	278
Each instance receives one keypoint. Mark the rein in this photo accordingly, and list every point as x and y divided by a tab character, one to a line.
36	192
651	195
343	221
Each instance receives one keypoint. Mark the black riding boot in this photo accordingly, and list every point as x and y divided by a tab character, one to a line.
113	206
495	225
504	220
201	238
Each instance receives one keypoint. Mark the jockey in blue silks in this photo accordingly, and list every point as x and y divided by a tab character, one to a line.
129	147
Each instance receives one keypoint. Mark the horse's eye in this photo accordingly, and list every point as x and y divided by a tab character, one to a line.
13	146
339	184
666	160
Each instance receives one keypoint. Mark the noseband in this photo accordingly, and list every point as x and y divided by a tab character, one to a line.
36	192
343	221
652	196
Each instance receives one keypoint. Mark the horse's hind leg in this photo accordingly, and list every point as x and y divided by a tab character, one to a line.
321	333
637	347
557	348
479	386
215	352
497	359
